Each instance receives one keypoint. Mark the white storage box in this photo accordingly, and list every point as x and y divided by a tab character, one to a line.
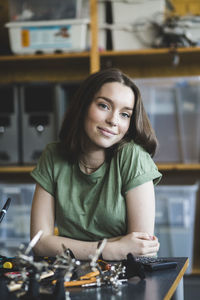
48	36
15	227
175	218
37	10
136	10
127	36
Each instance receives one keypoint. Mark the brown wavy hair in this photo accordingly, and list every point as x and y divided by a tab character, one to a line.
72	130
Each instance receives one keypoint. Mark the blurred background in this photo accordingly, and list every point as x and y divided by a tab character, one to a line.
48	47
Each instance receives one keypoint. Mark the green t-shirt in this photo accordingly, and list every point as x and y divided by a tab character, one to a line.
92	207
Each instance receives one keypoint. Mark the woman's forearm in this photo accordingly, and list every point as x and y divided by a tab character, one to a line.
115	249
51	245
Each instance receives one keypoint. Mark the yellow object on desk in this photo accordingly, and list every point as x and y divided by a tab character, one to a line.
90	275
85	279
8	265
79	282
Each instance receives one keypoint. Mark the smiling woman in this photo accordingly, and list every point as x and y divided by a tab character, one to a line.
108	116
98	181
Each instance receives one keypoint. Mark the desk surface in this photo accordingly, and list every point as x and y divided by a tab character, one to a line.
158	285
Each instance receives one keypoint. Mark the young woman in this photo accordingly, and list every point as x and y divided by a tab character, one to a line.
98	181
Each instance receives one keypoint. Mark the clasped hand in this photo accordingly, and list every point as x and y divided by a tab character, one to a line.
139	243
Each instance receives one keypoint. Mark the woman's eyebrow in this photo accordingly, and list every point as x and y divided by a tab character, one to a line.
111	102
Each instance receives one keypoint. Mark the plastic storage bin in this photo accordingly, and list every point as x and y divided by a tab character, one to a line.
136	10
131	23
37	10
46	26
175	218
173	107
159	98
188	96
15	227
131	28
48	36
127	36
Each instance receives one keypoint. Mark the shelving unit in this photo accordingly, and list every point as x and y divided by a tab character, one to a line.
51	68
161	167
55	67
77	66
154	62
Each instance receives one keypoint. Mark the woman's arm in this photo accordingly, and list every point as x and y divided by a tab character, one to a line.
42	218
140	239
141	208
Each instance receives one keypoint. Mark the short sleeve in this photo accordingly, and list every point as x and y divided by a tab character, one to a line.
43	172
137	167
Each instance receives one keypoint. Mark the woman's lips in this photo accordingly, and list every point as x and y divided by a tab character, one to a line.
106	132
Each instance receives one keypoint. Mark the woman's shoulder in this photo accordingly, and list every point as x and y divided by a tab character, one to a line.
136	165
133	154
132	148
53	147
54	150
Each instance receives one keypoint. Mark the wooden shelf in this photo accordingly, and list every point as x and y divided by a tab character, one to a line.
179	167
76	66
56	56
161	167
196	271
107	53
15	169
151	51
50	68
154	62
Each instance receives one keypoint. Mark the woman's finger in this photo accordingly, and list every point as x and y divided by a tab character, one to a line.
142	235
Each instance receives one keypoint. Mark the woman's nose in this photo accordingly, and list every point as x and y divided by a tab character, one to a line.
112	119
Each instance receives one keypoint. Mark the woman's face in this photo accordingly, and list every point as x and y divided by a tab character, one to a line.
109	115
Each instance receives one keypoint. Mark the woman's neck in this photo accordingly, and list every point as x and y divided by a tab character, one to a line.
91	161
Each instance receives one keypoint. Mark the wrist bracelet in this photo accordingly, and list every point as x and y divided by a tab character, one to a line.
98	245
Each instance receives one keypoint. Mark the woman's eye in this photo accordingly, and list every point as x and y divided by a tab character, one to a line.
103	105
126	115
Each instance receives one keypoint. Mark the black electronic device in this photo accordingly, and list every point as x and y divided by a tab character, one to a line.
9	125
38	126
43	106
156	263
